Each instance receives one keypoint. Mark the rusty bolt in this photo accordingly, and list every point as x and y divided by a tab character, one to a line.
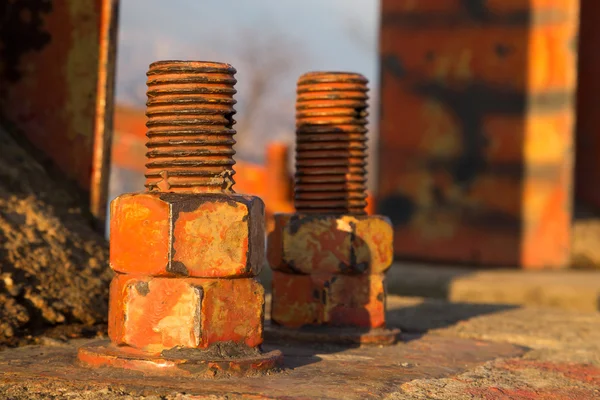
186	252
190	127
329	258
331	137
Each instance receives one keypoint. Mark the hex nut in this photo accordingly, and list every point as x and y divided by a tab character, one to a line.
158	313
307	244
195	235
328	299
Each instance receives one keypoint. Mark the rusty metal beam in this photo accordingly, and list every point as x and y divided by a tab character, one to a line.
105	97
477	115
56	85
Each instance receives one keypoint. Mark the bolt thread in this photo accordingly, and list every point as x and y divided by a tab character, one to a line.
190	127
331	135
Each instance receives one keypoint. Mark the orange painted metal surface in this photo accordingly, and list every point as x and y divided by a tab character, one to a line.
328	272
346	244
328	299
56	78
159	313
475	157
206	236
587	166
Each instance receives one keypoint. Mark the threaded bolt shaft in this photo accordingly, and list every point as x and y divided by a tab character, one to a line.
331	112
190	127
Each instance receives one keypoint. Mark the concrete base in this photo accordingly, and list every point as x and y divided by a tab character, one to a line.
447	351
585	252
564	289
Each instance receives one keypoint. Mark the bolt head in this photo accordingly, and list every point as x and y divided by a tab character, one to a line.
157	313
195	235
307	244
328	299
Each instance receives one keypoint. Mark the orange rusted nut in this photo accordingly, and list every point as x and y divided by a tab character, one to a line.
331	244
328	299
206	235
159	313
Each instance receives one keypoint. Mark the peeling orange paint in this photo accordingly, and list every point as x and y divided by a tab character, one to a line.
328	299
158	313
193	235
330	244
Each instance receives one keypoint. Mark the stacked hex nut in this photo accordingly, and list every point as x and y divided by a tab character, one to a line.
328	270
329	258
187	251
185	265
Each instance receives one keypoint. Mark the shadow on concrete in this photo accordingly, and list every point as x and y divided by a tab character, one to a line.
424	280
414	317
415	320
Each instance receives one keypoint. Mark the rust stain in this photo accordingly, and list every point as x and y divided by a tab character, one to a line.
583	373
213	239
233	311
63	117
356	373
156	313
103	354
329	257
196	235
294	303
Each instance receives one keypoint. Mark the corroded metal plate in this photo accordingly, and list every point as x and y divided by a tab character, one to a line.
105	354
310	371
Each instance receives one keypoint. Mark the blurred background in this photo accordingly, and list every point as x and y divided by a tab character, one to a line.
270	43
484	135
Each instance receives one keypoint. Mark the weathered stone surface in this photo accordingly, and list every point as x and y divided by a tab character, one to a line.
511	379
450	351
534	328
196	235
313	372
566	289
